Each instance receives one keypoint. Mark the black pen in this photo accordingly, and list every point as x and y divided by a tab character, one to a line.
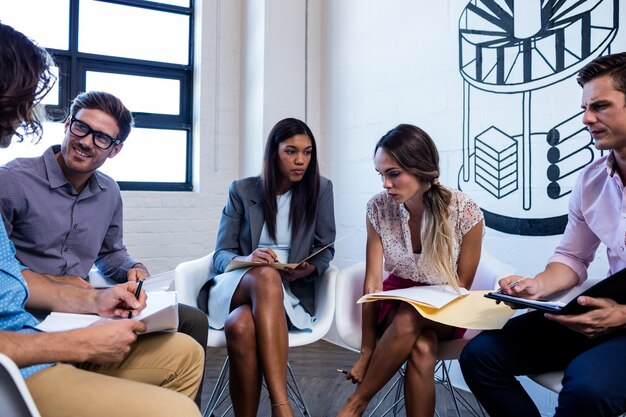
343	371
137	292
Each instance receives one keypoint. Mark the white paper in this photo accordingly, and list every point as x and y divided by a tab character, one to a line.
433	295
161	313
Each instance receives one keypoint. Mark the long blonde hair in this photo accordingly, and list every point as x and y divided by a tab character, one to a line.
414	151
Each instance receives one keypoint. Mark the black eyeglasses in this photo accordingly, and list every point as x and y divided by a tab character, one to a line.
101	140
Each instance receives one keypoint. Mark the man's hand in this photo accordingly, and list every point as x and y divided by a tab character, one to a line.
604	317
119	301
138	273
519	286
302	270
107	341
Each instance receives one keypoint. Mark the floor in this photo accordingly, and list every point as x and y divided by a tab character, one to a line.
323	388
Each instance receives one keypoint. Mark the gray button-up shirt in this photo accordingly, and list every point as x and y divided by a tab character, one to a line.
56	230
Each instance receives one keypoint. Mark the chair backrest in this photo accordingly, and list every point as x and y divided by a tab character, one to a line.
15	400
350	289
489	271
189	278
347	312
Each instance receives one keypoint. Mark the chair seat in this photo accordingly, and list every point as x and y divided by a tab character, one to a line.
451	349
15	399
549	380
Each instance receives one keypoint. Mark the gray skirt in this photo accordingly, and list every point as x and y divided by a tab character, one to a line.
223	288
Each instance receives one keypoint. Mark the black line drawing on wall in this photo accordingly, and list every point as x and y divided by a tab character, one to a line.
523	139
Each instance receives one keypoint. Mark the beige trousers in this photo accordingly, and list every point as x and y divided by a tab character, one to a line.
159	377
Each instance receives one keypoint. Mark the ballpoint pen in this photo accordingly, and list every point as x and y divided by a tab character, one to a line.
343	371
514	283
137	292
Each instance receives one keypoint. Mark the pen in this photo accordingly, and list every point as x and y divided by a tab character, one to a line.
343	371
137	292
514	283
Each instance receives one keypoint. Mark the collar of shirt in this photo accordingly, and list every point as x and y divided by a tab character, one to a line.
611	168
57	178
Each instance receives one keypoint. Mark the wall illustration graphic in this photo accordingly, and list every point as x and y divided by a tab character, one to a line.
523	139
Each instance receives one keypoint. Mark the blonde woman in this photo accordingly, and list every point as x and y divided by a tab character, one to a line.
426	234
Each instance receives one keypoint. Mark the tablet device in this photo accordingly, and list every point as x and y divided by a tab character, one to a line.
613	287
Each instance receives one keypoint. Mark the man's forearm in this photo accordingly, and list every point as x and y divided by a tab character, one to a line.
555	278
33	348
115	265
50	295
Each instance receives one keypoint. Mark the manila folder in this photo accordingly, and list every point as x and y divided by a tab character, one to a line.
473	311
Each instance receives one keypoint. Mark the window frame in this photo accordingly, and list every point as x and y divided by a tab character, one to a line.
74	65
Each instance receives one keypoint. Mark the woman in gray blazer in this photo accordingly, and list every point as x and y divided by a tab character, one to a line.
284	215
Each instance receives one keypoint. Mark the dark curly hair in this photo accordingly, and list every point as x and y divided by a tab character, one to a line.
25	78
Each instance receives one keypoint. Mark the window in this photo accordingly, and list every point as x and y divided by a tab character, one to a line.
140	51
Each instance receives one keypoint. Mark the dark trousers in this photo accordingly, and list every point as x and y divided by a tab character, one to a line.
595	369
193	322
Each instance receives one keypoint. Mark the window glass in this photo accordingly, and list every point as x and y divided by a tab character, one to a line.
182	3
139	94
150	155
53	134
138	33
37	26
113	39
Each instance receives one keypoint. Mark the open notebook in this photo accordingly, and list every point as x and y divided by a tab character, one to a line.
161	313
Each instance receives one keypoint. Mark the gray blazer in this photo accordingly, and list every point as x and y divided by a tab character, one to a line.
240	230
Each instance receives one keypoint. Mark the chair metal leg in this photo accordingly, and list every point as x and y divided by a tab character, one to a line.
219	393
442	375
294	393
398	403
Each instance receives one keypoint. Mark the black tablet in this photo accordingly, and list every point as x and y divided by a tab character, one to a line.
613	286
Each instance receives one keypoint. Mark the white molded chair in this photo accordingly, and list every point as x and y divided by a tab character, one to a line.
348	324
189	278
552	381
15	399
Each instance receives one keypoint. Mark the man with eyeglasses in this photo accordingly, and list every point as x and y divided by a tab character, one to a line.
63	215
